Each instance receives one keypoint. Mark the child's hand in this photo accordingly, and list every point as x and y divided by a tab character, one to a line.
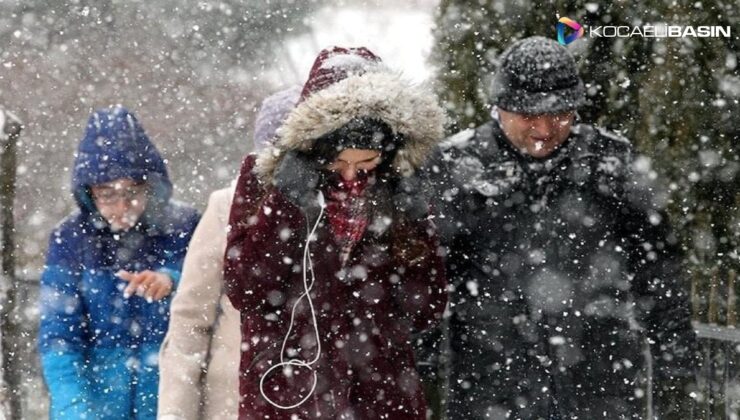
149	284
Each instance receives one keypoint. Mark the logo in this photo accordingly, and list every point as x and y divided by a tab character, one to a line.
657	30
565	22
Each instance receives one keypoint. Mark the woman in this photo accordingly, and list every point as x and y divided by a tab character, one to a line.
330	258
199	359
111	267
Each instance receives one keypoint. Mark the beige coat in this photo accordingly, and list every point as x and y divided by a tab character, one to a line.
199	359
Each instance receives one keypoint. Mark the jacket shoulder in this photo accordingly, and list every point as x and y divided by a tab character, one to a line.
74	222
471	140
611	152
473	144
459	140
602	142
66	241
219	204
180	217
609	158
70	230
222	197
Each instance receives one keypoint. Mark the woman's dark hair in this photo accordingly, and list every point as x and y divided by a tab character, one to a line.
360	133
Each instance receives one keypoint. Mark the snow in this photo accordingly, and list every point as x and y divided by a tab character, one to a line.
376	27
2	125
677	100
348	62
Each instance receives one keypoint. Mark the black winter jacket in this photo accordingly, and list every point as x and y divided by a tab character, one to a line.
569	300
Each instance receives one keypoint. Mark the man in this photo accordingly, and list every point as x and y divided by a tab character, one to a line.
568	299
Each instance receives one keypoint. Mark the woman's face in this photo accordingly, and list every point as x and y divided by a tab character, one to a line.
350	162
121	202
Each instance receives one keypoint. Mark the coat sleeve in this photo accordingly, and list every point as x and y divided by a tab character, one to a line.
456	216
238	240
421	292
456	211
194	312
63	336
662	303
262	226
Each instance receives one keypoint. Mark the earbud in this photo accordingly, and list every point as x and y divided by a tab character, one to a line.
322	202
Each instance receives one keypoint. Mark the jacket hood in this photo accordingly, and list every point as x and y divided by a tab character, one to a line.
410	111
115	146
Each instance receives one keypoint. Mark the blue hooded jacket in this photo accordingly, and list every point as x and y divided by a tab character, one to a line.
99	349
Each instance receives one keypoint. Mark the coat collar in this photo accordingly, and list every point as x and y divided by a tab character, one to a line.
485	161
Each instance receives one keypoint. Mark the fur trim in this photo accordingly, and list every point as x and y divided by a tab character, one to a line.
408	109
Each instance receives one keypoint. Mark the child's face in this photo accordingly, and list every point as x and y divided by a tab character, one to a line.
121	202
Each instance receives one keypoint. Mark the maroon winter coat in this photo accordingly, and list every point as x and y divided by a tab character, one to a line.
394	282
391	282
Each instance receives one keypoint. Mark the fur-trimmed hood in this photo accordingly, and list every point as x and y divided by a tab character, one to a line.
410	110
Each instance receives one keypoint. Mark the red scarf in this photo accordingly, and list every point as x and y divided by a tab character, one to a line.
348	213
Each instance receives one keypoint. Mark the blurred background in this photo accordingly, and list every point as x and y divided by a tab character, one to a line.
194	73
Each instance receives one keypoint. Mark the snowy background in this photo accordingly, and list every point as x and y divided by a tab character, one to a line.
194	72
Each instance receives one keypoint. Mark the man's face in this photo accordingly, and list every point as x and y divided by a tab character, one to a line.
536	135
